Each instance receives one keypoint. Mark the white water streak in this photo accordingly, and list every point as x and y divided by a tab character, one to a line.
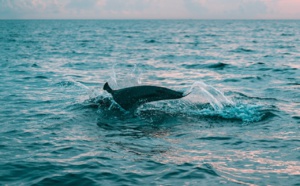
215	97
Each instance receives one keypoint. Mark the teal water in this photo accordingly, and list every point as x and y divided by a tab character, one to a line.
238	126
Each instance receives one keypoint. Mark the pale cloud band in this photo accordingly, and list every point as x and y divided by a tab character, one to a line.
149	9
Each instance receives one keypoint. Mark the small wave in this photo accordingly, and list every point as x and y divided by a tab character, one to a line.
192	66
65	83
211	35
268	56
150	41
232	80
296	117
257	98
253	78
286	46
68	179
260	63
242	50
265	69
219	66
258	30
35	65
189	172
287	34
85	41
41	77
11	40
295	83
29	41
215	138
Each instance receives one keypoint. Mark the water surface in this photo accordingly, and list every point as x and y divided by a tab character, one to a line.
239	125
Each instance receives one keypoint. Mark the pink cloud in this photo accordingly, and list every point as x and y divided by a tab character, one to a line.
152	9
284	9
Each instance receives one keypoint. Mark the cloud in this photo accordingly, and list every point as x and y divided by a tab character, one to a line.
224	9
149	9
146	9
131	5
86	5
251	9
18	9
196	8
283	9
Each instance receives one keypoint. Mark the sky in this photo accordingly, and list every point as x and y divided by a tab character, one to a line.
149	9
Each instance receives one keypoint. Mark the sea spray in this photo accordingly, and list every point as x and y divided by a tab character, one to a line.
220	105
126	77
215	97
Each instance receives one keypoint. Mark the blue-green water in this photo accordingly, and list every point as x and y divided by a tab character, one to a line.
239	125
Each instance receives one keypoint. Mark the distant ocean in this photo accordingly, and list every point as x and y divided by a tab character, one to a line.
240	125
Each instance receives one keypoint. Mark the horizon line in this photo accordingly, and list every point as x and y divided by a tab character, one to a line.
120	19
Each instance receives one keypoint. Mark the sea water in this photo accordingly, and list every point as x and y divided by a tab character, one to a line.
238	124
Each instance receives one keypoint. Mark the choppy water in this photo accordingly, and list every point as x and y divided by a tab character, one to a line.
239	125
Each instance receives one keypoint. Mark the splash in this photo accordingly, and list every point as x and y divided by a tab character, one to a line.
215	97
222	106
202	100
130	76
81	89
241	112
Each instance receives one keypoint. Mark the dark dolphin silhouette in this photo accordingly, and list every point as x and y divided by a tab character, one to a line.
132	97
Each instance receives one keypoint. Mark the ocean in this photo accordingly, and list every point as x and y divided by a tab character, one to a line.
239	125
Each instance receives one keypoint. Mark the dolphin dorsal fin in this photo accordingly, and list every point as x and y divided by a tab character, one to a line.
107	88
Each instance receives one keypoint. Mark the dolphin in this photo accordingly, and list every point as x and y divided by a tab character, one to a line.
132	97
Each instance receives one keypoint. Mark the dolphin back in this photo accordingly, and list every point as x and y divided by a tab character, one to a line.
132	97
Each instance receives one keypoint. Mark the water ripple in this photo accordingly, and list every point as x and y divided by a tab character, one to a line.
239	125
